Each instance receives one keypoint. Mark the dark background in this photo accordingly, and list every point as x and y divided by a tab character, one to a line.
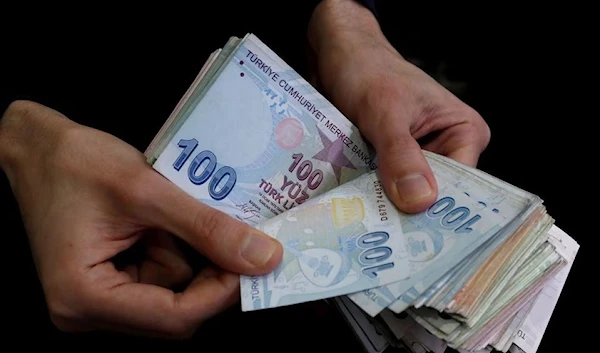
123	70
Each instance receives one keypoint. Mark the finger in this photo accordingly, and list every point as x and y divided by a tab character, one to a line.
149	310
229	243
463	143
404	171
165	265
313	67
467	155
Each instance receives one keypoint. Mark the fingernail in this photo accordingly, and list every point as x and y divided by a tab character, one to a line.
413	187
258	249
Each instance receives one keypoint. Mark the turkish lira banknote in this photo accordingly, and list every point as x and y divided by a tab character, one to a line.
522	333
255	140
344	241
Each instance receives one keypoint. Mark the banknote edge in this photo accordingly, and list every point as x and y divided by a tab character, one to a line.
167	124
187	107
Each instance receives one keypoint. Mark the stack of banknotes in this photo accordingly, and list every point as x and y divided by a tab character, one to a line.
523	334
255	140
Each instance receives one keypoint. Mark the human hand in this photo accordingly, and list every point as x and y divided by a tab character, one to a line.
397	107
85	197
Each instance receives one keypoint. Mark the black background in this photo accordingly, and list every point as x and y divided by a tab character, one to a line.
122	70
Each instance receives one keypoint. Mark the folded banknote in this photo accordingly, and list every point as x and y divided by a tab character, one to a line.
255	140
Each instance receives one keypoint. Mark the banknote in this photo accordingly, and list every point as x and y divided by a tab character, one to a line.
512	202
473	291
344	241
483	332
529	333
152	151
254	139
505	336
512	329
498	325
490	323
363	326
481	292
484	350
414	335
517	349
457	224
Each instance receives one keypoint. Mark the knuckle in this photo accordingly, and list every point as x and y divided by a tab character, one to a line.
381	97
20	108
25	110
63	322
30	119
486	134
399	147
64	154
63	312
482	129
381	94
137	188
181	325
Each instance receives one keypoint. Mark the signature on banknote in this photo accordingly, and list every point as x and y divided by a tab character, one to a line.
248	211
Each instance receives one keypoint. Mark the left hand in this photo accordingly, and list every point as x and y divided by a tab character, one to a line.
393	103
87	198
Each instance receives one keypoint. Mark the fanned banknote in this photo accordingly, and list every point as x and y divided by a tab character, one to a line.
252	138
372	337
456	227
424	330
341	242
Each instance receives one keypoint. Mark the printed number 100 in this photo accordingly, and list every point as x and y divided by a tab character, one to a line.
374	254
208	172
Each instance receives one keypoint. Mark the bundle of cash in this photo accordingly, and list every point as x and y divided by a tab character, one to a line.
255	140
522	333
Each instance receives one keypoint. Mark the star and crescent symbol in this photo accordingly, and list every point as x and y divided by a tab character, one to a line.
333	153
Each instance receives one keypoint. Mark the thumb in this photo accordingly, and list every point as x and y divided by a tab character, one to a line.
404	171
229	243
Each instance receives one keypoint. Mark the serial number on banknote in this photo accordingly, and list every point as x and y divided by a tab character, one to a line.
381	200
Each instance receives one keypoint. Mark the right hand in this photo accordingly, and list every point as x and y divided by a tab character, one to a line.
85	197
396	106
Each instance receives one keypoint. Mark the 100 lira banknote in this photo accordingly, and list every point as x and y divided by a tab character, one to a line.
468	213
353	241
258	140
346	240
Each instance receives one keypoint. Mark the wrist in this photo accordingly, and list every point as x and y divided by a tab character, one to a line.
9	146
341	21
28	131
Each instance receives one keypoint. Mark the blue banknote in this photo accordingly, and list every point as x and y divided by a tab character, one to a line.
440	238
261	140
346	240
504	199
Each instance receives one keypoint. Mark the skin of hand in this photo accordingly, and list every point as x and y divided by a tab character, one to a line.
86	196
397	107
